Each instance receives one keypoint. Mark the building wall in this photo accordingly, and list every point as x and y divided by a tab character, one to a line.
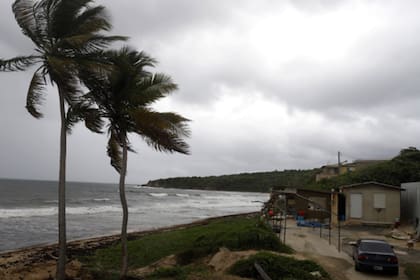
370	214
410	204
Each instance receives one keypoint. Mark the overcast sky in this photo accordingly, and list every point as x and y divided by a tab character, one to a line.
267	84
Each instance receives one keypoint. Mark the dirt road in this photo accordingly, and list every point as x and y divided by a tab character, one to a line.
308	244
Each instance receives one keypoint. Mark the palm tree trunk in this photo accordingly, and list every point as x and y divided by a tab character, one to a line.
124	252
62	257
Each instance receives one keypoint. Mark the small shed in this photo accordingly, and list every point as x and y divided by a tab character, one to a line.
371	203
311	204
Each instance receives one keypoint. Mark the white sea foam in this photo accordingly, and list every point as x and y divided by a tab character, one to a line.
49	211
27	212
182	195
101	199
158	194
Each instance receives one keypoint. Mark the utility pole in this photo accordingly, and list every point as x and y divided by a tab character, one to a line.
339	162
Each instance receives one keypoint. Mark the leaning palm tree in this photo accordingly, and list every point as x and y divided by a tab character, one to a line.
123	97
67	35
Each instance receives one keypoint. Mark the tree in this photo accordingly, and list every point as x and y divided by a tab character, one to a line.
66	35
124	96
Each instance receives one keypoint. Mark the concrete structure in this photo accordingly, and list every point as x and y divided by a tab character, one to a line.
367	203
333	170
410	204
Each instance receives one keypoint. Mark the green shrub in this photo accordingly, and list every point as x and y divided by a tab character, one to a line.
254	236
173	272
277	267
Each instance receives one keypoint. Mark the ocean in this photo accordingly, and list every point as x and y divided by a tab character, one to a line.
28	209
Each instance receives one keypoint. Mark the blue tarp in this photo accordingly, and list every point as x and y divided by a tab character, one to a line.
303	223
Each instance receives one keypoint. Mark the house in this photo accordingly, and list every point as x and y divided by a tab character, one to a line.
410	204
367	203
333	170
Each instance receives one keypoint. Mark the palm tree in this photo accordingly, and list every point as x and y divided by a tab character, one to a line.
67	35
124	97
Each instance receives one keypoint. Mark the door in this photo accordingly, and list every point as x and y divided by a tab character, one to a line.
356	205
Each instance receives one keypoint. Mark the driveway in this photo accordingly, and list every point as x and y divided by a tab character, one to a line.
308	244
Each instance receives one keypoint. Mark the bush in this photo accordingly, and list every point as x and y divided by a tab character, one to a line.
256	236
277	267
173	272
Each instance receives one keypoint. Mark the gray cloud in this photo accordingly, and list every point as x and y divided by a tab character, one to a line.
268	85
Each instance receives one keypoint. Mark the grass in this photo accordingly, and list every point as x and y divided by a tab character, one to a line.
278	267
412	270
188	244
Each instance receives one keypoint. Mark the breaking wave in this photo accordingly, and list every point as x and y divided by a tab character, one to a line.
49	211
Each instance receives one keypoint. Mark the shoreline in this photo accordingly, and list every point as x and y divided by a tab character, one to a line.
29	258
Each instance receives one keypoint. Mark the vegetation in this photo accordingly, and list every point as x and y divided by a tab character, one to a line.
235	233
403	168
124	95
278	267
182	273
67	37
252	182
412	270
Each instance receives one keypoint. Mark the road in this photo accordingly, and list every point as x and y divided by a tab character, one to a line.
308	244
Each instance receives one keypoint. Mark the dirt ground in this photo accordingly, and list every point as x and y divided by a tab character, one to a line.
308	243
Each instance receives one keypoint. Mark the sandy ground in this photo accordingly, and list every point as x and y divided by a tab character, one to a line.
308	243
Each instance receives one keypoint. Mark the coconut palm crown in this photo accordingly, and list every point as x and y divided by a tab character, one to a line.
67	35
124	97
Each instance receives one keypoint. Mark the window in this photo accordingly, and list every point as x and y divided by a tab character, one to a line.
379	200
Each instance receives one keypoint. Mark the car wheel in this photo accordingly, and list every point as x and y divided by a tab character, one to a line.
395	271
356	267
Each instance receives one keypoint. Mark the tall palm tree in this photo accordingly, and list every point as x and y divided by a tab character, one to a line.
124	97
67	35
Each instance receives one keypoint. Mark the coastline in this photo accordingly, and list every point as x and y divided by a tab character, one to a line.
38	262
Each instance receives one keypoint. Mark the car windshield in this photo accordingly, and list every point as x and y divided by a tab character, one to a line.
375	247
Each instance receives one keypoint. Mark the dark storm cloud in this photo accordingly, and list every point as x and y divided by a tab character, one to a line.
262	90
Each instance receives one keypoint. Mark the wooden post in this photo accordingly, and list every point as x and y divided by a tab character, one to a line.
261	272
285	220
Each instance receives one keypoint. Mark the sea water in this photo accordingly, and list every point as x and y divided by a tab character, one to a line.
28	209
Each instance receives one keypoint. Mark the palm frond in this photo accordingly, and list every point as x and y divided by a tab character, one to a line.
162	131
114	151
30	19
64	14
151	88
85	111
127	58
88	43
92	20
176	123
34	96
19	63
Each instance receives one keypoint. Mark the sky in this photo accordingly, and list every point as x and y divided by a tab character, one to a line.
268	85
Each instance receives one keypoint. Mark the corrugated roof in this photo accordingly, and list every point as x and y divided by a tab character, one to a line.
372	183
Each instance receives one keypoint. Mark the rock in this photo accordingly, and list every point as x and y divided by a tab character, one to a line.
224	259
316	274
